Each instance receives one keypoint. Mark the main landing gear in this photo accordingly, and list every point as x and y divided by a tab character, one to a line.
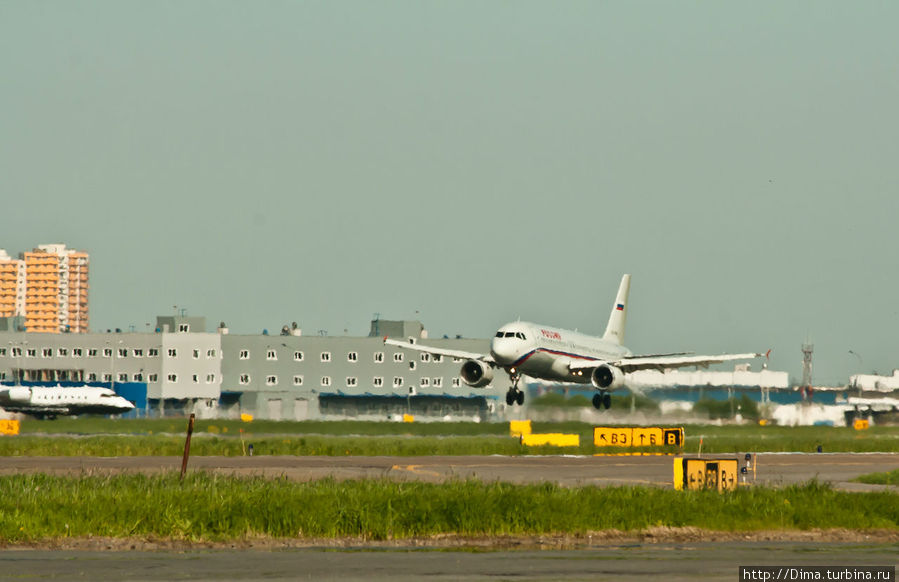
602	399
514	395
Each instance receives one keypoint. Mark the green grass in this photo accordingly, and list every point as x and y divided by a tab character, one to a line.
99	437
887	478
209	507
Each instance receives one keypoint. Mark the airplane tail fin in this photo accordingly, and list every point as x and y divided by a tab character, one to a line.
618	318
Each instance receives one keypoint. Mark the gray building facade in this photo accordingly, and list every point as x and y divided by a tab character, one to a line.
279	377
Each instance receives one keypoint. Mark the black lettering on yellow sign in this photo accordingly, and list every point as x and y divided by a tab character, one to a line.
717	474
604	436
647	437
653	436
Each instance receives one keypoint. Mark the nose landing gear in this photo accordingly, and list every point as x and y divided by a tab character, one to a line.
602	399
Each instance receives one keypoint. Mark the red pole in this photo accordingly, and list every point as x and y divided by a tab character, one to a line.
190	430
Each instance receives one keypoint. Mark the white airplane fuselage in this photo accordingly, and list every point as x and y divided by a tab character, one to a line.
59	401
545	352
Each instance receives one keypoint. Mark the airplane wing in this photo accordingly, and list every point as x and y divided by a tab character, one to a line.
663	361
409	345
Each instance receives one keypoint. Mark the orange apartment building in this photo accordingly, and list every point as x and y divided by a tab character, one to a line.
12	286
48	286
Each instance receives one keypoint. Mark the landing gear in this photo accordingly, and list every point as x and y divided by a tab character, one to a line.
514	395
602	399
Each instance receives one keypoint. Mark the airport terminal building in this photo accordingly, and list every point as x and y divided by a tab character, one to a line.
181	368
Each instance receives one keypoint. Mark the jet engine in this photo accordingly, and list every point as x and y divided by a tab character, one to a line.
607	377
19	394
476	373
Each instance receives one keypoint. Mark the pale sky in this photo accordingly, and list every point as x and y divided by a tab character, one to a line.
469	163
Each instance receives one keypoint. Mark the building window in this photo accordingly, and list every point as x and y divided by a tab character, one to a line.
30	352
352	357
183	327
411	365
137	352
297	380
437	382
92	377
457	382
271	355
16	352
107	377
210	378
244	378
196	354
173	353
123	378
138	377
195	378
154	377
77	352
153	352
2	352
47	352
436	358
244	354
271	380
298	356
107	352
379	357
326	380
425	357
326	356
61	352
397	381
351	381
123	352
398	357
172	377
92	352
378	381
210	353
424	382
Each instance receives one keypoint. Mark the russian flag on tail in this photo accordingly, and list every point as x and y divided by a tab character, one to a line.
619	307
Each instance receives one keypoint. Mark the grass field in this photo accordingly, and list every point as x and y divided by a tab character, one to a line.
886	478
108	437
207	507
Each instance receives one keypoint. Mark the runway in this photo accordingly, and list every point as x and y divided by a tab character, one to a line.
772	469
636	562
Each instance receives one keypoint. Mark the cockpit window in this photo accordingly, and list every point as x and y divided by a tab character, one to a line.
519	335
499	334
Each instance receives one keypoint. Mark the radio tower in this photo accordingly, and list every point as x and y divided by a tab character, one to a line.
806	387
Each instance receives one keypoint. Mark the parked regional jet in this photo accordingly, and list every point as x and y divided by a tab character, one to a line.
58	401
559	355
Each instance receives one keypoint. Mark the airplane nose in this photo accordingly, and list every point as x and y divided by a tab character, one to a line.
503	351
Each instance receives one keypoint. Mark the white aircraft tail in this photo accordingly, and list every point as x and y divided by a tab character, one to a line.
618	318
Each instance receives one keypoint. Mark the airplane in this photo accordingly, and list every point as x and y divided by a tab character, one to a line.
50	402
559	355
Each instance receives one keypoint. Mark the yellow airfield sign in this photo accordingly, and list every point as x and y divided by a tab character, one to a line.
638	436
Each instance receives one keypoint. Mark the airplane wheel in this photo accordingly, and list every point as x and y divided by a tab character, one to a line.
510	398
597	402
607	400
519	398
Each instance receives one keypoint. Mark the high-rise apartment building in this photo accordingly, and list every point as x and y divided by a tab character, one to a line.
12	285
55	285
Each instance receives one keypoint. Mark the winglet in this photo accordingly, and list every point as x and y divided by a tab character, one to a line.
768	355
618	318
